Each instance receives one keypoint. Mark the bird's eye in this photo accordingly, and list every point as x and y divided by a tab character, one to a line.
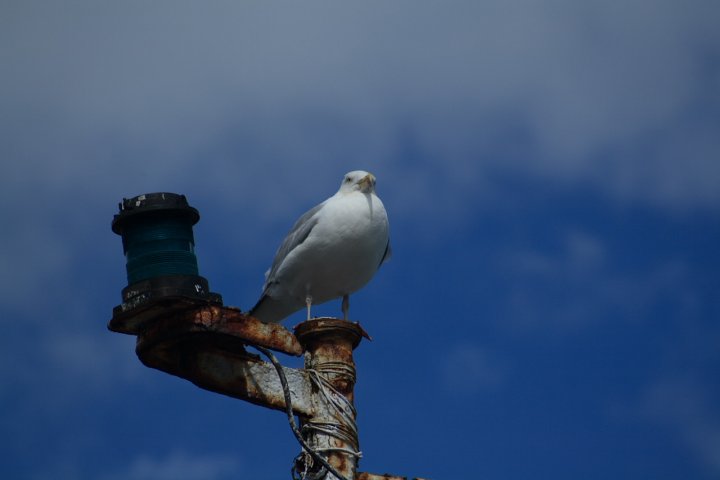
348	179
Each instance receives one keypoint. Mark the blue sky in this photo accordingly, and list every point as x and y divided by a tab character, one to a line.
551	175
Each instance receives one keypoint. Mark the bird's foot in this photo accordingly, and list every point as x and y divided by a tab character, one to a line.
308	303
345	306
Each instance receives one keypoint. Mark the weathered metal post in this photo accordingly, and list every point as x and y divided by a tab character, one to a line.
328	344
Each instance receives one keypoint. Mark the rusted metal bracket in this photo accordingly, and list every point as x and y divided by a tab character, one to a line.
204	343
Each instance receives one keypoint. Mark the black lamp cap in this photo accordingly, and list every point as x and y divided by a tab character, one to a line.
152	204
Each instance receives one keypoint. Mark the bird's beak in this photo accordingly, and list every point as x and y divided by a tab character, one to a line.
367	183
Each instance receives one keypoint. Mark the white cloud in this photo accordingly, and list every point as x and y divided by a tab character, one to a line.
580	253
99	95
30	259
259	110
76	369
579	284
177	465
91	362
180	466
688	410
467	369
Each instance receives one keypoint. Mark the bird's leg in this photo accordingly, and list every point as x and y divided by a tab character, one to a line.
345	306
308	303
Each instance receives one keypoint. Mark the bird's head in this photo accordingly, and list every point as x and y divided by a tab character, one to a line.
358	180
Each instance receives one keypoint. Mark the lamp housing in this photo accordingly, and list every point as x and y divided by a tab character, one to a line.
159	248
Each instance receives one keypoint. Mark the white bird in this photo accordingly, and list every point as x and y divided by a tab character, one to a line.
333	250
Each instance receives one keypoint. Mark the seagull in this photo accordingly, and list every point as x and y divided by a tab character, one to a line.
333	250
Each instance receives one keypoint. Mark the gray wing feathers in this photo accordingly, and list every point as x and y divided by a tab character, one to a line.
297	235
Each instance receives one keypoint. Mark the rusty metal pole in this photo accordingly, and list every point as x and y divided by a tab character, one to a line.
332	429
204	344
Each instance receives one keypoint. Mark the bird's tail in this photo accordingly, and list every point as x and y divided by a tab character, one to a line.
271	310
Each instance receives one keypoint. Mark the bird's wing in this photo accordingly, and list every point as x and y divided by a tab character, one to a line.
297	235
388	253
